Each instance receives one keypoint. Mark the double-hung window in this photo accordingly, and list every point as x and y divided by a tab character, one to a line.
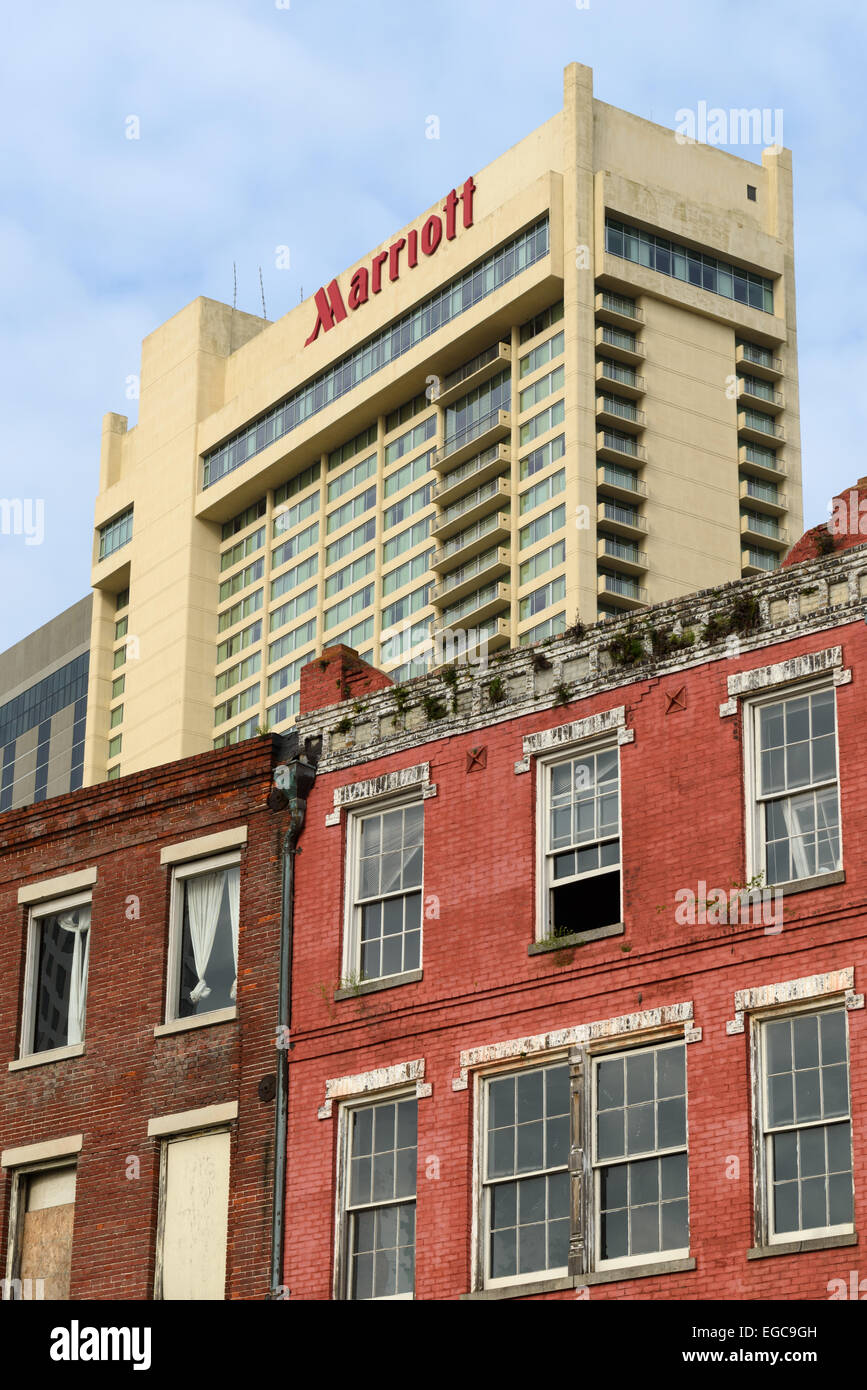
379	1188
526	1174
796	815
580	820
805	1138
384	875
583	1165
58	952
203	948
639	1155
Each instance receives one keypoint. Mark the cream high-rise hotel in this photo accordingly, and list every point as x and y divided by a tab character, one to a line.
568	387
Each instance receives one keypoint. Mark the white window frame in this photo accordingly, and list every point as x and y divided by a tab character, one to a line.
21	1176
543	804
342	1250
481	1206
594	1241
46	908
351	908
755	836
763	1136
189	868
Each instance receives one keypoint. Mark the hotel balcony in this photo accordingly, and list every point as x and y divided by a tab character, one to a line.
755	561
616	309
756	361
624	556
623	521
477	470
761	462
760	394
620	378
490	564
610	445
623	415
492	530
765	531
760	428
474	439
613	342
763	497
621	483
476	607
490	497
496	633
621	591
494	359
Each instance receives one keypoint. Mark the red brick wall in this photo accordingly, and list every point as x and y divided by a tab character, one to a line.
683	821
126	1075
338	673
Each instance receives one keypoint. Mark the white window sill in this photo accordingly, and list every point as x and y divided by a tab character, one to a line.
54	1054
183	1025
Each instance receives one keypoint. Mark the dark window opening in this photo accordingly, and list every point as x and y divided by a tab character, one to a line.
585	903
751	192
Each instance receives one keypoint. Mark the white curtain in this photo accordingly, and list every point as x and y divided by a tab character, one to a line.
233	882
798	816
80	960
204	899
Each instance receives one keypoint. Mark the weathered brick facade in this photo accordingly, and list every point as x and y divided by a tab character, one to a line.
485	985
127	1076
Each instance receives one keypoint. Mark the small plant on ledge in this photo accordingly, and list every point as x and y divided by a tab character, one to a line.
401	698
433	707
742	616
496	691
575	631
562	693
450	679
540	662
664	641
825	542
626	647
344	725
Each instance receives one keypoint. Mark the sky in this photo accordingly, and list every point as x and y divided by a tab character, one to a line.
303	123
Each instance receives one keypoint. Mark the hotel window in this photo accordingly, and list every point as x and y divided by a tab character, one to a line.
526	1197
542	491
384	900
541	322
411	440
378	1199
541	457
542	422
115	534
299	574
403	608
350	574
545	386
121	600
361	441
291	641
287	550
348	511
542	526
242	609
116	716
119	657
408	473
121	628
203	940
349	606
580	817
684	263
353	540
114	746
239	642
293	608
58	951
353	477
304	479
241	671
288	519
805	1157
796	812
238	552
552	627
406	573
640	1155
541	562
118	686
405	540
245	518
545	352
542	598
237	704
242	580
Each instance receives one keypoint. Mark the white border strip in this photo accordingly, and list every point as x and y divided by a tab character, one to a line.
793	992
364	1082
388	784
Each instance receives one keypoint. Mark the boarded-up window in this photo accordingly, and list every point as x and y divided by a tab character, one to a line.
195	1212
48	1207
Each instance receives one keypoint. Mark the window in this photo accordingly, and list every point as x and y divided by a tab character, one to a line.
286	519
238	552
408	473
541	457
349	606
121	600
248	575
385	878
352	540
116	716
545	352
293	608
353	477
581	828
348	511
406	507
304	479
541	562
405	540
350	574
203	954
542	422
639	1154
418	435
540	528
751	192
796	821
242	609
806	1141
193	1216
532	395
540	599
243	519
291	641
622	1113
302	540
526	1174
121	628
542	491
58	950
684	263
115	534
41	1225
379	1206
361	441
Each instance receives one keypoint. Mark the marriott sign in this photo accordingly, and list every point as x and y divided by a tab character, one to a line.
330	308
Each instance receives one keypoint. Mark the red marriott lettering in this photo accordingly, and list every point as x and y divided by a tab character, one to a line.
330	308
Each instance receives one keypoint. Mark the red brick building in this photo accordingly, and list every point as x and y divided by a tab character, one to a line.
138	1003
579	962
